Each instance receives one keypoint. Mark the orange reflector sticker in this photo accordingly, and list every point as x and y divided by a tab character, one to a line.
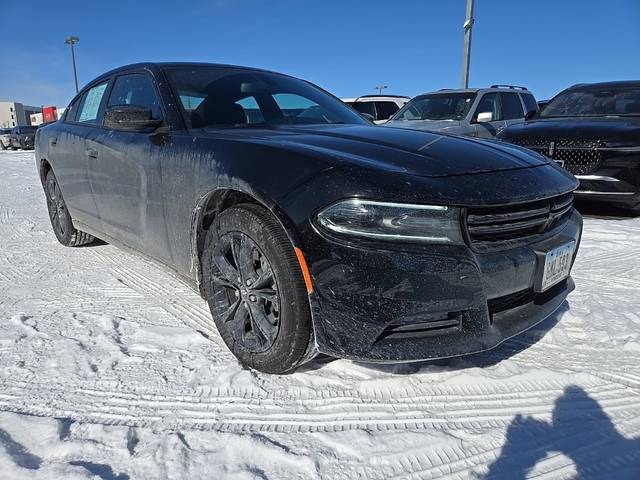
305	269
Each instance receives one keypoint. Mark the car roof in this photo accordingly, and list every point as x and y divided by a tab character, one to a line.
616	83
493	88
164	65
375	97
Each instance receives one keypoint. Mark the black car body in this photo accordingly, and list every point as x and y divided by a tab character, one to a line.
347	195
592	130
22	137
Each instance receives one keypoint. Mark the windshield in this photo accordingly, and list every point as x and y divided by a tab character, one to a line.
595	102
437	106
238	98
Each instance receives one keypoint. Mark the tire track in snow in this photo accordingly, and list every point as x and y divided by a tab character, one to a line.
246	411
177	298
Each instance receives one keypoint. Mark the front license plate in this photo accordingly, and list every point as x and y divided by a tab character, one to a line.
557	265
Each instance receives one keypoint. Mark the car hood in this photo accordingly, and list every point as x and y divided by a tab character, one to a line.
393	149
611	130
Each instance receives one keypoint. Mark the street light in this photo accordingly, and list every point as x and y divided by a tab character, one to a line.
466	51
72	41
379	88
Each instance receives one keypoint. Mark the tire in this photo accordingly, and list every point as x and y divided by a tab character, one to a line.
255	290
59	216
635	210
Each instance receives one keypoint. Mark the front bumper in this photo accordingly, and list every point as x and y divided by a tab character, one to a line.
427	302
614	185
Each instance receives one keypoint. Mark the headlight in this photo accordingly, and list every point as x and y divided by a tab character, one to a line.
403	222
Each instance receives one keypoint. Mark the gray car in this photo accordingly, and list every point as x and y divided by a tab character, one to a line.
474	112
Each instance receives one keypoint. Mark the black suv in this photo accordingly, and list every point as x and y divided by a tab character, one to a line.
23	137
592	130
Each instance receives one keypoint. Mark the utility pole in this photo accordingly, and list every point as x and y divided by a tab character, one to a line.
72	41
466	54
380	88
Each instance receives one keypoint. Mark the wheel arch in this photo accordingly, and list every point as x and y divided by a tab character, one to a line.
43	168
216	201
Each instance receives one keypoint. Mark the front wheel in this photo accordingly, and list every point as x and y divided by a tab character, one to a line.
256	291
59	216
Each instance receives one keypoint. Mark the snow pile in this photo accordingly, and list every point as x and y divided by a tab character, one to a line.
102	375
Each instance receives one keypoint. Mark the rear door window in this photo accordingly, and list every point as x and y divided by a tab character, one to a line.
386	110
72	111
365	107
511	106
135	89
89	110
529	102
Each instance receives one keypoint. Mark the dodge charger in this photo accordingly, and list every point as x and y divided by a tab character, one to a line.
306	228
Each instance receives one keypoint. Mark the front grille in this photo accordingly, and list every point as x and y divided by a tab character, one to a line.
580	157
488	225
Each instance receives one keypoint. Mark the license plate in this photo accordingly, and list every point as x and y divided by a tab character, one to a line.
557	265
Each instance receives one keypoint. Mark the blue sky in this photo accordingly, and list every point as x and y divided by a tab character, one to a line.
346	47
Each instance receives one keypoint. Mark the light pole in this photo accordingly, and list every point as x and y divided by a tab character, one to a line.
466	54
72	41
380	88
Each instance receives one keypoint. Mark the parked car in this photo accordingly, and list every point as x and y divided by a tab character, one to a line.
593	131
305	227
380	107
475	112
5	138
542	104
22	137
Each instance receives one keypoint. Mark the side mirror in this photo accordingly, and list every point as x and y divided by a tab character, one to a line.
530	114
369	117
131	118
484	117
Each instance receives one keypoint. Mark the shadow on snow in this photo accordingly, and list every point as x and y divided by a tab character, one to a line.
580	430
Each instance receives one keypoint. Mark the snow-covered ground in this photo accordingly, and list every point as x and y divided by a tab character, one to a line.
103	375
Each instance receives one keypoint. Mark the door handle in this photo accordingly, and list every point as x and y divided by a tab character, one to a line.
53	142
91	153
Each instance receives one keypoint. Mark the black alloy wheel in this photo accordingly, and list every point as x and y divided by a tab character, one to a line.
58	213
246	296
256	292
59	216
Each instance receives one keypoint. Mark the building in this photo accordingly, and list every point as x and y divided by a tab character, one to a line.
13	114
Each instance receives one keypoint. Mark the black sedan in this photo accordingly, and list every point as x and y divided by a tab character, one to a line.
306	228
592	130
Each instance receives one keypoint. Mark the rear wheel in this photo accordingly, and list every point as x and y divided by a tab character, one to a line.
60	218
255	289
